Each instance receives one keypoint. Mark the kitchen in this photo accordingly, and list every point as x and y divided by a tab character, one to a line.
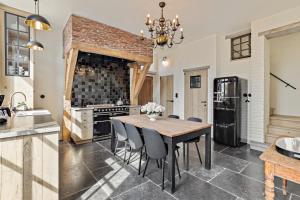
101	89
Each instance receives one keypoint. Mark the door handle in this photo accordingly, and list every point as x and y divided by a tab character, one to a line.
203	101
170	101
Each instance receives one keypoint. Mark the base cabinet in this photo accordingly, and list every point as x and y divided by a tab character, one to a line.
29	167
82	125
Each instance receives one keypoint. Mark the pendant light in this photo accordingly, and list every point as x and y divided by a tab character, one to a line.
37	21
35	45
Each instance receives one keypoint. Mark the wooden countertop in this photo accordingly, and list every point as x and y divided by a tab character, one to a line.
165	126
272	156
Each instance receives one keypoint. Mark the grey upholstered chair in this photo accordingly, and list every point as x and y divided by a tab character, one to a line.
195	140
121	134
174	116
156	150
135	142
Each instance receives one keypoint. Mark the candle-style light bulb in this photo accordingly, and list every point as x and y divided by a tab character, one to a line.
177	16
142	34
181	29
148	19
148	15
177	20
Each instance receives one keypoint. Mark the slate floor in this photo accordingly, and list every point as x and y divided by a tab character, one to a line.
91	172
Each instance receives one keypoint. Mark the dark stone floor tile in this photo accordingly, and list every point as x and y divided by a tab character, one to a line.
84	149
75	179
255	171
291	186
116	179
229	162
99	159
205	174
243	187
244	153
76	196
106	144
147	191
191	188
294	197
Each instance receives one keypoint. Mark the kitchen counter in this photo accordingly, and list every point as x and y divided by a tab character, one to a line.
28	125
29	148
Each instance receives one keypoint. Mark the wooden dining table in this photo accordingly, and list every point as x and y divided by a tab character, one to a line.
173	131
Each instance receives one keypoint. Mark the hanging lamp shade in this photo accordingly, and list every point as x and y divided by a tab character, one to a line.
37	21
35	45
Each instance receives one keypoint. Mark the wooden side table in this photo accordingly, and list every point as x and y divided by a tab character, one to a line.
279	165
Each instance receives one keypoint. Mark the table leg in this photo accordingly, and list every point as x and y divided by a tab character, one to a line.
208	150
269	181
284	183
183	152
171	165
187	157
113	139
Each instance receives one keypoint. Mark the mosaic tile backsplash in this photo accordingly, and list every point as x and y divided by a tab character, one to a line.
108	80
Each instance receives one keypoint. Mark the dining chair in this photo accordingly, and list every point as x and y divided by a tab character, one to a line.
121	134
173	116
156	150
194	140
135	142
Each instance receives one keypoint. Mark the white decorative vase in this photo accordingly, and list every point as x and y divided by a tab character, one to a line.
153	116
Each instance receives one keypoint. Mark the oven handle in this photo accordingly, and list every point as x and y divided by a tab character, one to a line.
96	122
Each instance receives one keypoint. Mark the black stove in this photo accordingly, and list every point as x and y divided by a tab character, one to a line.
102	123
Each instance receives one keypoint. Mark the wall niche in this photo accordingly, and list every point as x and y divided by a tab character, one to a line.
100	79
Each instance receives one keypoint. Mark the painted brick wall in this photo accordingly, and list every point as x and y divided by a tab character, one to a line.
259	115
96	34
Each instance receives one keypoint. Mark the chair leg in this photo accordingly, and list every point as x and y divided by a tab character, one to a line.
129	155
199	155
140	163
177	167
146	166
163	175
125	151
177	152
157	164
116	147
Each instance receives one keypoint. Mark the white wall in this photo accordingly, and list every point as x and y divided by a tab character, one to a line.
200	53
285	63
226	66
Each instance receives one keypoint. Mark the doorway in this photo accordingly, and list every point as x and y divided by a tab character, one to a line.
166	94
146	93
195	93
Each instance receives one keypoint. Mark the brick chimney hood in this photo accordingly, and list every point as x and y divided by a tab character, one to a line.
95	37
81	34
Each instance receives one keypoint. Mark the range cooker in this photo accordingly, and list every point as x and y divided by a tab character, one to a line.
102	123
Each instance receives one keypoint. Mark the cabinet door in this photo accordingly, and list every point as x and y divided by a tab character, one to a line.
11	169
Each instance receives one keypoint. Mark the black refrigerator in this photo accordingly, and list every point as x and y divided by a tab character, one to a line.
230	110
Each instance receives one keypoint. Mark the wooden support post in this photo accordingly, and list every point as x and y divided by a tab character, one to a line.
70	70
141	80
135	77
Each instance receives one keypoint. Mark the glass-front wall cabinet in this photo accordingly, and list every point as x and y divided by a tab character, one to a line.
17	55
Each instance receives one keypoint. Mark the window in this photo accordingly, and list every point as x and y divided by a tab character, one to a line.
241	47
195	81
17	55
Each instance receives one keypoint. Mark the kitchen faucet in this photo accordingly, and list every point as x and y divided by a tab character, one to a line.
12	98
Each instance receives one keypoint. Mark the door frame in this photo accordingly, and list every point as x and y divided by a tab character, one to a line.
207	68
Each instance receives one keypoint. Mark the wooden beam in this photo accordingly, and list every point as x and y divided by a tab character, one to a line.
135	76
112	52
71	63
141	80
71	60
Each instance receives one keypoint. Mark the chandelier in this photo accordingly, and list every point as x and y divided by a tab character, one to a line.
162	30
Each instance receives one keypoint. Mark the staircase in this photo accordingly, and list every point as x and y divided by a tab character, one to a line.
281	125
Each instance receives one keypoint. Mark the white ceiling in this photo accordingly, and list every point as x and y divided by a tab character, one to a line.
198	17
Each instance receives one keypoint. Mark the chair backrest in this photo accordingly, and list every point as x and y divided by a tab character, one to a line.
119	129
194	119
134	137
174	116
155	146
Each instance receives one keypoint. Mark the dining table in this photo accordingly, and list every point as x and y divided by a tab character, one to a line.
173	131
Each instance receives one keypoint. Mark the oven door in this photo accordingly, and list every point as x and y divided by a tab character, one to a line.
102	125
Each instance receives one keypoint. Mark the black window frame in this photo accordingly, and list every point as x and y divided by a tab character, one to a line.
18	46
240	44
